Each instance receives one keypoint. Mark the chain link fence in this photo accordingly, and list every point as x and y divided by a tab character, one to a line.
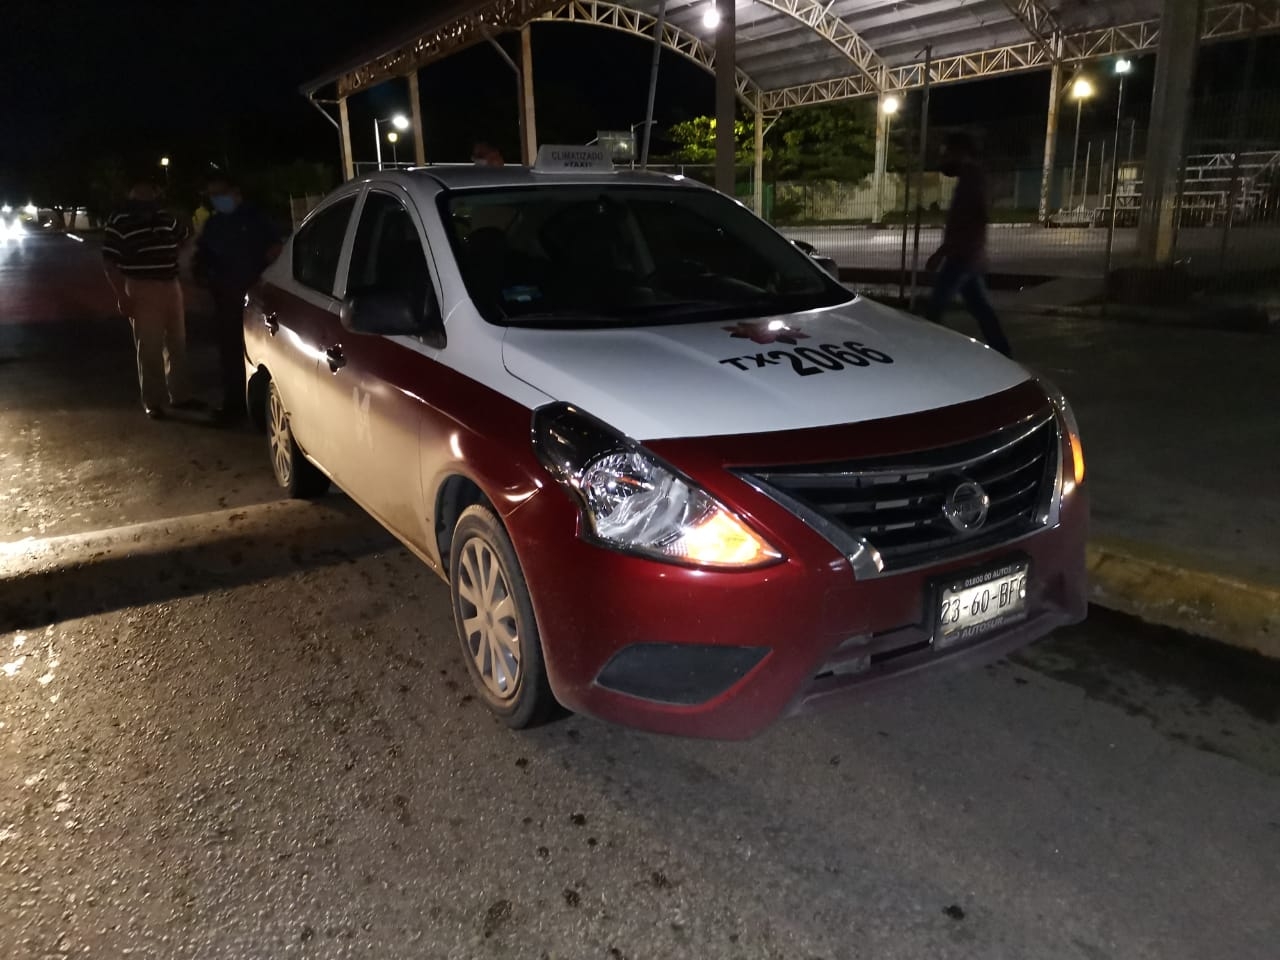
1226	216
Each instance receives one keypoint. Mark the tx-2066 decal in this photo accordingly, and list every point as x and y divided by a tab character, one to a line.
809	361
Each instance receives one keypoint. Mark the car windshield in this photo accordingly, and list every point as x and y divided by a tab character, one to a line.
607	255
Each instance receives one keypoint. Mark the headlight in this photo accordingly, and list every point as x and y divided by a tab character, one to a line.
632	501
1067	418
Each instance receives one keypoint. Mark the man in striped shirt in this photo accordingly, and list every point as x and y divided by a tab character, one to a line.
140	251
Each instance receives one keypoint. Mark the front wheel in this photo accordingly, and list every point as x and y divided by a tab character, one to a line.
295	474
495	623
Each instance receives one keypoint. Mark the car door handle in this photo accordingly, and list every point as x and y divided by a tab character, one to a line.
336	358
272	322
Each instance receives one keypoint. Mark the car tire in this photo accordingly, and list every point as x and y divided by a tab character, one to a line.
493	615
294	473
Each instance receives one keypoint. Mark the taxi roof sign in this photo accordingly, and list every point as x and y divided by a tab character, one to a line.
553	158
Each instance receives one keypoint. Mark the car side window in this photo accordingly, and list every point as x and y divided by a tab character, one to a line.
318	246
387	256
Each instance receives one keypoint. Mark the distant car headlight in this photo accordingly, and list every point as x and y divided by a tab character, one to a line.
1074	471
631	501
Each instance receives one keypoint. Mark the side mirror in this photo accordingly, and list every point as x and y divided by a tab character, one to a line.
810	251
389	315
827	264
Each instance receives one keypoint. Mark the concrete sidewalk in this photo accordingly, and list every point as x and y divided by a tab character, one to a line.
1181	440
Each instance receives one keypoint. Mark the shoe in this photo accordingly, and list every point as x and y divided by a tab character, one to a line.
155	413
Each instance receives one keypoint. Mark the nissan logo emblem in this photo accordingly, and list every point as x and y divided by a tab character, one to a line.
966	507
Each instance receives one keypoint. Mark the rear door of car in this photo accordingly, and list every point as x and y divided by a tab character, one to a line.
298	312
373	390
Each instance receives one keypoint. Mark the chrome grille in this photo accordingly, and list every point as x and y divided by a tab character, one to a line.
895	504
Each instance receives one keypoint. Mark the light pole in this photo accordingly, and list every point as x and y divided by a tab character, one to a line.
1082	90
393	138
888	106
164	162
399	121
1122	69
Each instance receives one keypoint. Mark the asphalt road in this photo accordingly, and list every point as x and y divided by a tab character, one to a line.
275	752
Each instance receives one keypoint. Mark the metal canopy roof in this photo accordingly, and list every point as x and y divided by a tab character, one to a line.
796	52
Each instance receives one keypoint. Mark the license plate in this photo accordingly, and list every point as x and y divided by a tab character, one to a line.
977	603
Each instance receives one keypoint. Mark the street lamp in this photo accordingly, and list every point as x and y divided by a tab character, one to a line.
1081	90
711	19
164	162
1123	68
888	106
393	138
399	121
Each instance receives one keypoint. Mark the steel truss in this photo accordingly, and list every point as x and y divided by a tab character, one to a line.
870	76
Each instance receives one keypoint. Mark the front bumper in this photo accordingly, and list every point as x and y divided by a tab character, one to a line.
825	636
724	654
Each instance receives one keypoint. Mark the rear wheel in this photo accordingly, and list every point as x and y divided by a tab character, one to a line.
495	623
295	474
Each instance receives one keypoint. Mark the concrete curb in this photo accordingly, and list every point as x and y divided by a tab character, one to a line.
1137	580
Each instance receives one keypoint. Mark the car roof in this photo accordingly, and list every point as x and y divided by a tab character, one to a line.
469	175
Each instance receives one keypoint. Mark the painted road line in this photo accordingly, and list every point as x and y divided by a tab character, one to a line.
58	578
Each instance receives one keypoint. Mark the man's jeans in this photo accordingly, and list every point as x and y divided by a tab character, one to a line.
958	277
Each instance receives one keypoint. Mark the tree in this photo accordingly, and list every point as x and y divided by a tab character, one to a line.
695	140
834	141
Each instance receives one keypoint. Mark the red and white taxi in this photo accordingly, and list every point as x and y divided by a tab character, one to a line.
674	474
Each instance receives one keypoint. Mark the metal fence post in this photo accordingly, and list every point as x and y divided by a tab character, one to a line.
924	145
1237	141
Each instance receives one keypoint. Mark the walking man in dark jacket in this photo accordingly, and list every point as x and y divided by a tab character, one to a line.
961	260
140	253
235	246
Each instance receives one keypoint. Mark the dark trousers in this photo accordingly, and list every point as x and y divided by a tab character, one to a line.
229	332
958	277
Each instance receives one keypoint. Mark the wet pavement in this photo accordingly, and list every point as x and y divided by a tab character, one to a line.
271	749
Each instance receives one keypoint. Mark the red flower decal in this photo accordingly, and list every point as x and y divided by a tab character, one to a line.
766	331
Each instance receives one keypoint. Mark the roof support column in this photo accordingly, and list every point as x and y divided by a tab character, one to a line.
415	108
1170	103
726	96
344	133
883	119
1050	142
757	177
528	117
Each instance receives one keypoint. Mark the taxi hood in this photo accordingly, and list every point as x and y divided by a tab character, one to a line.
845	364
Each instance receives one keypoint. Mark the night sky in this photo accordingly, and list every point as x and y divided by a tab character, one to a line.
219	82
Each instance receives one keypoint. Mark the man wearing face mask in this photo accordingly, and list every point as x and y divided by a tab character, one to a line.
140	253
235	246
961	260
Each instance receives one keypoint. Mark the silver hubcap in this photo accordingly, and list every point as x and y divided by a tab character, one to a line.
488	613
281	447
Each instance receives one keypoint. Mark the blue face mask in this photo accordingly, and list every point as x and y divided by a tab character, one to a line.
223	203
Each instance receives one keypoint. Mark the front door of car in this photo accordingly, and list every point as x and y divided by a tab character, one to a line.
371	386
